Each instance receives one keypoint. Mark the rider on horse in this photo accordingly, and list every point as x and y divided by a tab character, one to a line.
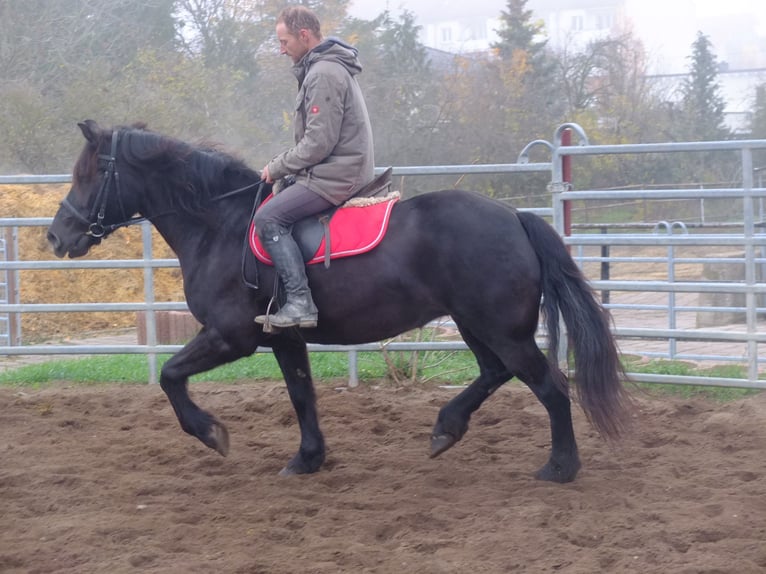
331	160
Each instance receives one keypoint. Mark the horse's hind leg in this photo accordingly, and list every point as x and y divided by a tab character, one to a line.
452	422
535	370
206	351
527	362
292	356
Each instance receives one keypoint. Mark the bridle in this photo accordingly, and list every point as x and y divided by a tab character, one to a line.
111	180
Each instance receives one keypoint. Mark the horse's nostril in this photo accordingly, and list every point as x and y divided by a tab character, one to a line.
53	240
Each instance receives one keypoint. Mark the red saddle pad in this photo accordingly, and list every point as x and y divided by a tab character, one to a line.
353	230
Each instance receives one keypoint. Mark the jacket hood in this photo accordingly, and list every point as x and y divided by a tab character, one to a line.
331	49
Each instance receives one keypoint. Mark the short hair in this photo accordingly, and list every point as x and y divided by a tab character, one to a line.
295	18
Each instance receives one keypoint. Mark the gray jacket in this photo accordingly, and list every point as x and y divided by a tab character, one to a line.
333	153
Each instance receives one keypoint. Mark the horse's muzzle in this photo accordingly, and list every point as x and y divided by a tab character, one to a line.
55	244
76	249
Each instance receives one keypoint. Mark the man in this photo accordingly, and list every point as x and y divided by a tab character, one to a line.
331	160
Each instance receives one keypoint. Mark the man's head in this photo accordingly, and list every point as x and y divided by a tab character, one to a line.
298	32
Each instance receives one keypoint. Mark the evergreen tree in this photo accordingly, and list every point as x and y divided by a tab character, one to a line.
526	92
520	33
702	104
398	85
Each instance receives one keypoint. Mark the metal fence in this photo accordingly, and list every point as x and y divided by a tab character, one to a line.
148	263
666	316
653	316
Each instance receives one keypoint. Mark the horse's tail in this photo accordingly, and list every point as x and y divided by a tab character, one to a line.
598	370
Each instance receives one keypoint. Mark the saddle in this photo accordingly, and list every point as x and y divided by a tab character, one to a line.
354	227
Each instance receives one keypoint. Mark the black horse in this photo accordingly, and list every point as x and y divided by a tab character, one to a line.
455	253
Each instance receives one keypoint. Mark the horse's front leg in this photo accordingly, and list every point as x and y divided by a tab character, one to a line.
206	351
293	359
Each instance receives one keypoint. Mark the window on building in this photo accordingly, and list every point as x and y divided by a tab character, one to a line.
604	21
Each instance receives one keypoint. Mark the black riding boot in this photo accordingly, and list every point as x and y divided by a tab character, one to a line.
299	309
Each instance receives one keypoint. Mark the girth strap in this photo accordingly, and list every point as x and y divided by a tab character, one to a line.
325	221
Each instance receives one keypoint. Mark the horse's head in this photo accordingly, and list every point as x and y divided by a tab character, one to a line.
126	171
94	206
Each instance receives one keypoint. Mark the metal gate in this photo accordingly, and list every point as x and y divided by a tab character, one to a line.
659	315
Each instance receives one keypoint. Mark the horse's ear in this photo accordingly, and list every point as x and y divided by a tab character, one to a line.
89	129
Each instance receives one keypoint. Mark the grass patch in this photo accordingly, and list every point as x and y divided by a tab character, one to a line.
720	394
684	368
446	367
450	367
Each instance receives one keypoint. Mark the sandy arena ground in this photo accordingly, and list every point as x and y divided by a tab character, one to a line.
101	479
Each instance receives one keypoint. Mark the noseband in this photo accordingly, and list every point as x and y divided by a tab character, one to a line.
111	180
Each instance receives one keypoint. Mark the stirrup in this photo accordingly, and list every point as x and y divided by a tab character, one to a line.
265	320
269	327
305	321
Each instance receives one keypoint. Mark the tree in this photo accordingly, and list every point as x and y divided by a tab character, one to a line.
48	41
223	32
702	105
608	81
518	32
524	57
399	87
50	50
609	93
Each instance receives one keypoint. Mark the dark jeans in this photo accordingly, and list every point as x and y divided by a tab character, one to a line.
288	206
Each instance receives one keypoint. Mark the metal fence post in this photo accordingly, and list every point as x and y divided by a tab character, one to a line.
151	322
10	244
748	209
353	369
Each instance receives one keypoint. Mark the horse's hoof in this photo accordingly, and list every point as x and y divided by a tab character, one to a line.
553	472
218	439
440	443
287	471
303	463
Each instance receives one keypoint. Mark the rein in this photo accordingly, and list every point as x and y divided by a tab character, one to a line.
239	190
95	219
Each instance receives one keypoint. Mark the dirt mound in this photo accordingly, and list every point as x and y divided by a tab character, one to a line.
101	479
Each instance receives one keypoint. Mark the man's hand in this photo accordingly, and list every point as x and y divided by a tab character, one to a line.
265	175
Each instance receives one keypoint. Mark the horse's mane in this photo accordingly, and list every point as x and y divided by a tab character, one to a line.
193	174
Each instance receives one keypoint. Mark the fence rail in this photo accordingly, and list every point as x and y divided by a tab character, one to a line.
149	264
656	328
661	325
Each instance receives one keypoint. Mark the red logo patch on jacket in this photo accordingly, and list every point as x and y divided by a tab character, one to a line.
314	109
